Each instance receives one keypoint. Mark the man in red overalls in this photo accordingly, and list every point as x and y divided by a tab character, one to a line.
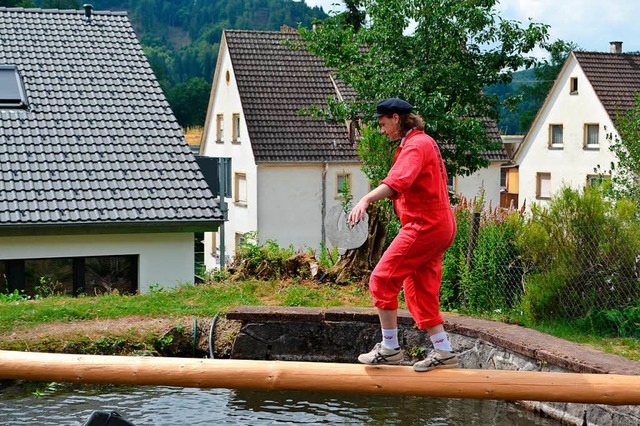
417	184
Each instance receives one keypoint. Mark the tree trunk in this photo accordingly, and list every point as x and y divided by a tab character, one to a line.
357	264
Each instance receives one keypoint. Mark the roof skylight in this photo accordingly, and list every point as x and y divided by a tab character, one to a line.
12	94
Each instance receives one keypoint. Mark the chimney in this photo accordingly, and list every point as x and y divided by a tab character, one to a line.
88	9
616	47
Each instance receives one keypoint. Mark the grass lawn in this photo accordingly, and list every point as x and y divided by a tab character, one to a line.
218	297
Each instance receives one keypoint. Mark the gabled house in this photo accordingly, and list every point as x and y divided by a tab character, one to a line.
98	188
288	169
567	144
487	182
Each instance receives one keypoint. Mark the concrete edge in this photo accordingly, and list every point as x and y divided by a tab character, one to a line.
534	344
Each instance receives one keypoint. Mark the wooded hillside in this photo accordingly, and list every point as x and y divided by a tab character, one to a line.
181	39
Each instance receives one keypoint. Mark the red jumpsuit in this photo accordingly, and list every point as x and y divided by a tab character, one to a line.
414	258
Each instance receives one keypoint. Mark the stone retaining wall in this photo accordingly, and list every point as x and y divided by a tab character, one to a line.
340	334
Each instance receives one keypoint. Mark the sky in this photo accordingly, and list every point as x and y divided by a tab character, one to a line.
590	24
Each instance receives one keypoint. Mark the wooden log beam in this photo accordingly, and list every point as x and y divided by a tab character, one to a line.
609	389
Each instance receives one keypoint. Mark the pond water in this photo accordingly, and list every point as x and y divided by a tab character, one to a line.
66	404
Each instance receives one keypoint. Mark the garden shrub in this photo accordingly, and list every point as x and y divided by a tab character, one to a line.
582	252
454	266
614	322
264	261
489	280
493	283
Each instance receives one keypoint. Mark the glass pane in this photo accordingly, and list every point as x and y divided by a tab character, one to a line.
9	91
220	128
48	277
4	283
241	188
592	134
556	135
545	185
343	185
236	127
110	274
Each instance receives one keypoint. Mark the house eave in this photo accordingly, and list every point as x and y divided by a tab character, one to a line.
84	228
307	162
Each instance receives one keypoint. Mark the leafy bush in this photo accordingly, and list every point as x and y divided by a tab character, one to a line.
493	280
15	296
481	270
613	322
582	251
270	261
454	266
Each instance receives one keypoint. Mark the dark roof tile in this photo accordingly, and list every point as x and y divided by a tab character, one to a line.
98	137
275	80
615	77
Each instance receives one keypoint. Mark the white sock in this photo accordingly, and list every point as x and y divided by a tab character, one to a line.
441	341
390	338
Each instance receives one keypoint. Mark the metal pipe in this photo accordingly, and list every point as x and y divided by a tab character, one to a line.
211	331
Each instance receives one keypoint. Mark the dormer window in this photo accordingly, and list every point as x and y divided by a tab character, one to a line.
12	94
574	86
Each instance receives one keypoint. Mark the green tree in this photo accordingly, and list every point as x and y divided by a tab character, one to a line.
17	3
436	54
354	16
545	75
189	101
626	146
162	62
455	49
61	4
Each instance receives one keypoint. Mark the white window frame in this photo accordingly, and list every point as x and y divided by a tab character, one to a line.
573	86
553	142
220	128
240	190
587	135
543	185
235	127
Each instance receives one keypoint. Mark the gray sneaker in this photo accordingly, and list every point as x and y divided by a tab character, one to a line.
437	359
380	354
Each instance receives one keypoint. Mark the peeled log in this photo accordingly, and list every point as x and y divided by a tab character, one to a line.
612	389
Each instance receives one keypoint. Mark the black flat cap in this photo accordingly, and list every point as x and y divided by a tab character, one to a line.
392	106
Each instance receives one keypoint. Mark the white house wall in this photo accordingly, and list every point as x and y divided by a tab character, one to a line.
226	100
488	179
290	201
166	259
571	165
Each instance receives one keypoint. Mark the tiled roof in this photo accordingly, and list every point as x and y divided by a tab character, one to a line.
493	132
614	76
98	144
275	80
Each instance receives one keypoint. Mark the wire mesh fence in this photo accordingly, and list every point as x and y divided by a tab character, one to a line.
575	261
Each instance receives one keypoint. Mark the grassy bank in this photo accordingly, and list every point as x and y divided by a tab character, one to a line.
218	297
187	300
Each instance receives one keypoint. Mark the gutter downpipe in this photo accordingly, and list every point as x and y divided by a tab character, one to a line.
323	231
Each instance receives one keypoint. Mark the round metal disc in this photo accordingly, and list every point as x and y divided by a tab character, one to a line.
341	233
